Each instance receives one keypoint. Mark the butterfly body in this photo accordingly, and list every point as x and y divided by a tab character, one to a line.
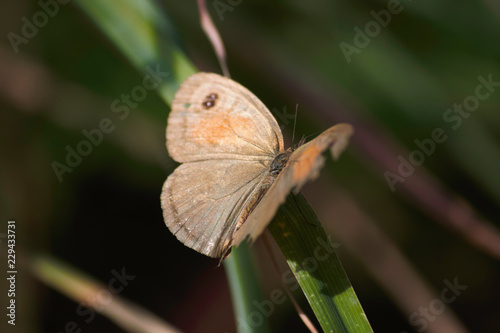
234	170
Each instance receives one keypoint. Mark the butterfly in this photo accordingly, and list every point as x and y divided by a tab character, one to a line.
235	171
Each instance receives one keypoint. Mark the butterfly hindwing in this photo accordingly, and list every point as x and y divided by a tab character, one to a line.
202	201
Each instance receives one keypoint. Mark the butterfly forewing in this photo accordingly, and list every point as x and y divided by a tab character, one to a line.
214	117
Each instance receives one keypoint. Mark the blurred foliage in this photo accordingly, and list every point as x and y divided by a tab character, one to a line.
105	214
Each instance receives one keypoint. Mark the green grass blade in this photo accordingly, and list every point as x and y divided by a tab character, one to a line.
244	290
142	32
313	261
86	290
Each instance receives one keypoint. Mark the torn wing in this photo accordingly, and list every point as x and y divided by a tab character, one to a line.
304	165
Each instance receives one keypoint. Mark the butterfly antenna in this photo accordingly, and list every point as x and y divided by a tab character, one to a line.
308	136
295	122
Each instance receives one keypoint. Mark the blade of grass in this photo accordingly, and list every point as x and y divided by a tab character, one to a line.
245	290
319	272
303	316
89	292
143	33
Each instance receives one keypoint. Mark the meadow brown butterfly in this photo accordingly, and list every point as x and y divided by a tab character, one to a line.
235	171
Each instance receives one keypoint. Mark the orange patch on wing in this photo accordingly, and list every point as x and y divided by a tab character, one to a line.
213	129
242	125
221	126
305	162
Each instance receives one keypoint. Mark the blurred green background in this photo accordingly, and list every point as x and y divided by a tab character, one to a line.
398	245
